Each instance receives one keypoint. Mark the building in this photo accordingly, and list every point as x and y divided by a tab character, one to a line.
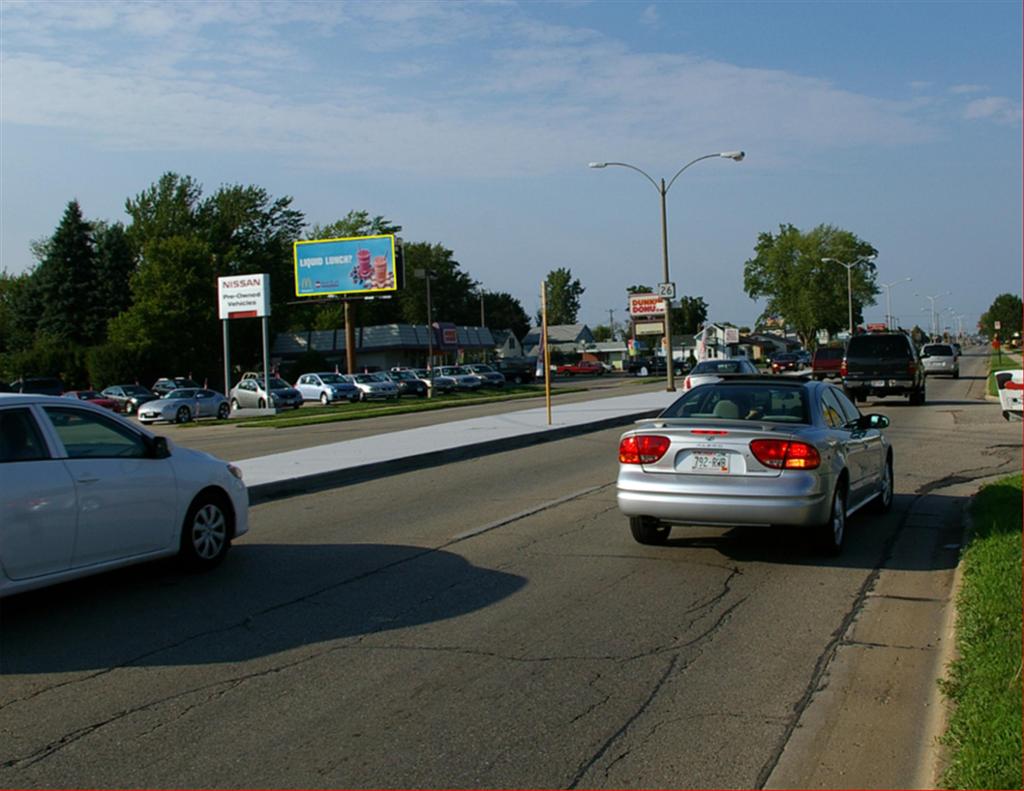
567	338
506	344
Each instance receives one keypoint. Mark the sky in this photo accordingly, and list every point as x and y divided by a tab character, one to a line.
472	124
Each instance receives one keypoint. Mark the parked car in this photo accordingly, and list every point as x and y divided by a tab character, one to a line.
94	398
408	384
40	385
464	378
114	495
654	366
184	405
165	385
1010	384
130	397
755	451
940	358
827	361
434	381
883	364
581	368
249	394
518	370
491	377
327	388
374	385
786	361
707	371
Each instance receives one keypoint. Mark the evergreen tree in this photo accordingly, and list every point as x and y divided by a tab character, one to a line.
65	280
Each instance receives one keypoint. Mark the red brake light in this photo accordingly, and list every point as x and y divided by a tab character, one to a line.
718	432
642	448
687	385
842	368
782	454
911	368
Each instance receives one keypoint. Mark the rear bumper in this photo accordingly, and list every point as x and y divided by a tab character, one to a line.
867	387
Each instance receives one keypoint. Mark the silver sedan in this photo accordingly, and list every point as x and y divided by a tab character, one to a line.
185	404
755	451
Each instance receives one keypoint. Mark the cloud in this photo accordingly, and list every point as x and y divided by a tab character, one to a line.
996	108
961	89
650	15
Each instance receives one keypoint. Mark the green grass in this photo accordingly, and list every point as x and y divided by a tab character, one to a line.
984	684
997	363
308	416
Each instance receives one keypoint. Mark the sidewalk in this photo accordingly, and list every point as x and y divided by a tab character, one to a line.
342	463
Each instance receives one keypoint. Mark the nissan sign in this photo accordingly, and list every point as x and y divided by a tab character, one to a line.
244	296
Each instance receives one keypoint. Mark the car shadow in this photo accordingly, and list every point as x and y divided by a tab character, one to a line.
264	599
871	541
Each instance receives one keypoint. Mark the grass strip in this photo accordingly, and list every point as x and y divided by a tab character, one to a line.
999	362
984	682
309	416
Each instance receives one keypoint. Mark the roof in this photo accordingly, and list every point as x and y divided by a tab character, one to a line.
377	337
560	333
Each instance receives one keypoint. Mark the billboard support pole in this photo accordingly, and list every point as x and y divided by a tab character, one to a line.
227	361
544	341
350	339
266	360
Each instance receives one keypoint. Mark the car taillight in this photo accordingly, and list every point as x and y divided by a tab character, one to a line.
911	368
642	448
781	454
687	384
842	368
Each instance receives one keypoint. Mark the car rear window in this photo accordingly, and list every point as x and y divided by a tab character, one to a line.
938	350
724	401
719	367
828	354
878	346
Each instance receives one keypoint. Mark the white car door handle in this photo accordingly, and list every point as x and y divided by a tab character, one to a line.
87	479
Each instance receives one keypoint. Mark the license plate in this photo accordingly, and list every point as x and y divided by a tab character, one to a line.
709	461
878	383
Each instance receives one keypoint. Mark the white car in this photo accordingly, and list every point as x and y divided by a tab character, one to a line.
373	386
712	370
83	490
464	378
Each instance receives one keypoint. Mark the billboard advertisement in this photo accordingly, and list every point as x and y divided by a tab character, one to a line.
244	296
641	305
354	266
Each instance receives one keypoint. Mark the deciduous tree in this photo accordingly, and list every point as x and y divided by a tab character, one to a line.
563	297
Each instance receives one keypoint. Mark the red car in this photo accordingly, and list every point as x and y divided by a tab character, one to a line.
94	398
826	362
582	367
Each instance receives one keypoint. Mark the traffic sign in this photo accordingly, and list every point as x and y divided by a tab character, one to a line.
667	290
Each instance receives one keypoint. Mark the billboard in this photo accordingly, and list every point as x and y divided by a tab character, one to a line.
244	296
354	266
646	305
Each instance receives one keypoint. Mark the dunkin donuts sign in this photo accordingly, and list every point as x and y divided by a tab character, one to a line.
244	296
641	305
353	266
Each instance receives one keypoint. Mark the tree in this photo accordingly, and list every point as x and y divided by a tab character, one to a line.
1007	310
602	333
453	293
563	297
691	315
114	265
65	281
809	294
502	311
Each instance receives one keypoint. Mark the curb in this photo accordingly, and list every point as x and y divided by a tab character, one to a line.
306	484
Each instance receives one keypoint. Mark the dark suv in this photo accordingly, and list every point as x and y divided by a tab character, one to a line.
883	364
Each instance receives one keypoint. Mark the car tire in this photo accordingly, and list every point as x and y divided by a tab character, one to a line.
883	502
917	398
832	533
183	415
517	379
324	400
223	411
956	374
206	534
647	530
643	371
262	403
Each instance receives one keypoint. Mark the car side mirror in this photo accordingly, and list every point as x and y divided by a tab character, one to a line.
158	448
873	421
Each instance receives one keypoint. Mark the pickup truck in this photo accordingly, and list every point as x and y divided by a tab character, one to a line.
583	367
883	364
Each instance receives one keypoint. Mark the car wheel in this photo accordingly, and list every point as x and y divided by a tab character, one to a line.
917	398
183	415
883	502
234	404
223	411
262	403
833	531
648	531
517	380
956	374
206	534
643	371
324	400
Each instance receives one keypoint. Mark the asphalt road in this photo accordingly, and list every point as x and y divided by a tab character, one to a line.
492	624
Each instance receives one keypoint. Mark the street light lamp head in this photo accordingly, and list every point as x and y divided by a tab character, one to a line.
598	165
736	155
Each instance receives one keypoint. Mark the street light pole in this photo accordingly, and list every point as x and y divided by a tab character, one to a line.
849	283
662	188
931	301
888	300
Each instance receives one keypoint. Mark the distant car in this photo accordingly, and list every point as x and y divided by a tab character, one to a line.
130	397
184	405
713	370
374	385
40	385
827	361
84	491
518	370
1010	385
581	368
883	364
491	377
249	393
654	366
165	385
786	361
408	383
327	388
940	358
757	451
94	398
464	378
434	381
